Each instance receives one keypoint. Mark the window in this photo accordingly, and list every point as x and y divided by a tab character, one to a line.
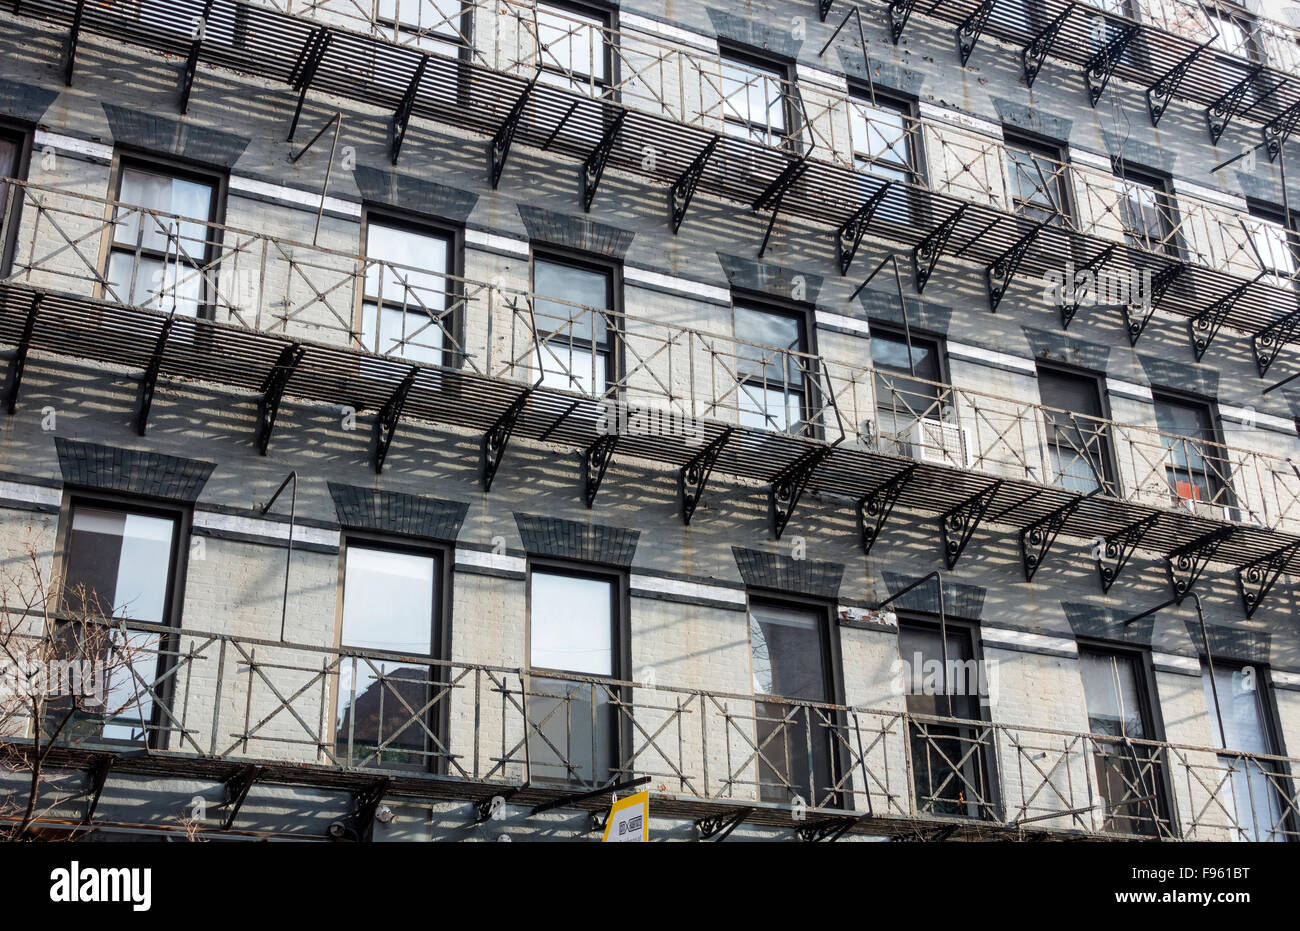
1078	436
945	688
774	370
1234	31
1196	469
574	628
883	132
912	404
1103	28
1039	180
120	564
13	157
791	654
1252	790
1129	773
433	25
163	247
754	99
387	708
1274	244
406	307
576	51
573	313
1146	210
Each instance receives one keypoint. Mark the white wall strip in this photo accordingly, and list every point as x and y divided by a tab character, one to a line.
1175	663
1258	418
36	494
628	21
294	196
955	118
1128	389
1090	160
998	636
696	591
267	529
487	560
1286	680
992	357
829	319
69	144
499	243
672	283
807	74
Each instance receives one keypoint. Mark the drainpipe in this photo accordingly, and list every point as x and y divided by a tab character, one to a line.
288	559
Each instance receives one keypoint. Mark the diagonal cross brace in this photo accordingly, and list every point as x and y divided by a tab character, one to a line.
594	167
402	115
1036	540
788	487
971	28
1220	113
683	189
1002	271
1256	579
150	380
1113	552
1160	285
1202	328
1268	342
273	392
1099	69
694	476
497	438
389	416
849	236
1161	93
1035	53
1092	269
927	252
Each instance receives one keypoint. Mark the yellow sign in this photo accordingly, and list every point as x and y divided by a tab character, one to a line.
629	820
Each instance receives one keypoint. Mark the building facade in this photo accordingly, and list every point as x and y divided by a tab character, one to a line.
839	421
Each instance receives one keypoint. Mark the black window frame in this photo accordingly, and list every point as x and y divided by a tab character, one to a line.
1110	462
906	106
992	808
804	315
1162	185
1290	223
1242	18
23	135
612	268
159	735
619	579
1055	150
1152	716
151	162
444	555
1224	495
465	29
1271	718
827	612
777	66
608	15
416	222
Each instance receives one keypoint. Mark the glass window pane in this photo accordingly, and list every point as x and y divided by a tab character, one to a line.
921	648
8	169
573	43
119	564
572	624
787	650
388	599
1110	686
154	191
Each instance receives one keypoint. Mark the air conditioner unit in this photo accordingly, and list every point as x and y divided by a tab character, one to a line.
939	442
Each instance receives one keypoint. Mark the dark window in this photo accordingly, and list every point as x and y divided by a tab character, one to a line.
1078	436
1039	180
1274	244
408	304
12	165
913	408
1146	210
120	564
791	653
945	689
576	326
1129	771
576	46
755	98
574	628
775	372
164	247
1252	790
1194	461
386	708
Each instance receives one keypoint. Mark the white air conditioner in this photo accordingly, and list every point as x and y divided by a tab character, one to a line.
939	442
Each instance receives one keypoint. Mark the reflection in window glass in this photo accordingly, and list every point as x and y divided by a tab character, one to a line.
788	651
753	101
571	735
1078	441
1193	465
574	49
575	351
1038	181
1128	774
161	241
407	294
773	369
1251	789
388	605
